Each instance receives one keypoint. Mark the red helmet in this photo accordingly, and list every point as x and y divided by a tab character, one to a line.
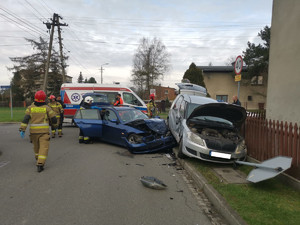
152	96
39	96
52	97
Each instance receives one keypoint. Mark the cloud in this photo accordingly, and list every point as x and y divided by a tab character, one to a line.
109	31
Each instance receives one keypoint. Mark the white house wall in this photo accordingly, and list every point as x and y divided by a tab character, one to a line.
283	94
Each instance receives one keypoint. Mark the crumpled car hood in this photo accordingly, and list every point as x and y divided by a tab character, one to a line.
233	113
157	125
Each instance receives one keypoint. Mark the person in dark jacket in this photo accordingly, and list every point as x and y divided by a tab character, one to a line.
87	104
58	99
236	101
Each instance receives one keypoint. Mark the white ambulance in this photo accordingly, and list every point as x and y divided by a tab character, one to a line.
71	95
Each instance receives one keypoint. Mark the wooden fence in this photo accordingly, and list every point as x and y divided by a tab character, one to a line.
266	139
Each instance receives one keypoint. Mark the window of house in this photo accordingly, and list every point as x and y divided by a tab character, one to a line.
257	80
222	98
166	92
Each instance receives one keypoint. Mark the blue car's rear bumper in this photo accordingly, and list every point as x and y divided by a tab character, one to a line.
159	144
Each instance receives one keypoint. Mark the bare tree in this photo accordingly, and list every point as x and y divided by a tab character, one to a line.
230	61
150	63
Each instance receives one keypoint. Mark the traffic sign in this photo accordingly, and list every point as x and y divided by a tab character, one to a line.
238	77
5	87
238	65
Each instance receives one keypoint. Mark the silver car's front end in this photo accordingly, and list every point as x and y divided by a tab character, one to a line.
195	146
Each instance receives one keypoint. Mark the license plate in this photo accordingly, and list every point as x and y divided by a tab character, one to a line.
220	155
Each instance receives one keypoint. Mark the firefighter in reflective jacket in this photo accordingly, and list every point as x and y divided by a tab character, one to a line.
151	107
58	109
38	114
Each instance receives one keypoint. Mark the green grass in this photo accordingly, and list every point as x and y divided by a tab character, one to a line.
164	115
269	202
18	114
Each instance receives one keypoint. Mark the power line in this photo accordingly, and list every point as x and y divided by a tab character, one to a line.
19	25
47	7
35	9
27	25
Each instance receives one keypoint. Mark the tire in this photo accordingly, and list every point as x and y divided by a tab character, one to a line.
180	153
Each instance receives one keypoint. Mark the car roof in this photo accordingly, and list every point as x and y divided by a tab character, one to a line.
198	99
119	108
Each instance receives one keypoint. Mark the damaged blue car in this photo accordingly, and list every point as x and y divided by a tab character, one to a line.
125	126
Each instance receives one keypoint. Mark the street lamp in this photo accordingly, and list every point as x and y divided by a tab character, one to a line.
102	71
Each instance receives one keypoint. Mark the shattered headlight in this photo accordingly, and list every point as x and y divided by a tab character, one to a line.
241	147
195	138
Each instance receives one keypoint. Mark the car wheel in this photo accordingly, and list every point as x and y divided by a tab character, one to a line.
180	153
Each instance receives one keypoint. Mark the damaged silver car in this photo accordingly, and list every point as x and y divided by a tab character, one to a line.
206	129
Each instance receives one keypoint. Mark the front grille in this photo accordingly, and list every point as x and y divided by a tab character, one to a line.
221	145
193	152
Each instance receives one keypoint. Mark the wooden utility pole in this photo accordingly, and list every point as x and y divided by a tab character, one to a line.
55	22
60	48
49	54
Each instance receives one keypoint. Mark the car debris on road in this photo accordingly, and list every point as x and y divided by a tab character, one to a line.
152	182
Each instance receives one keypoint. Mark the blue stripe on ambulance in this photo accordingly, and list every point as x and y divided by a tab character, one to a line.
141	108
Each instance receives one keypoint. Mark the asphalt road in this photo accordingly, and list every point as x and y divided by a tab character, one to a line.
93	184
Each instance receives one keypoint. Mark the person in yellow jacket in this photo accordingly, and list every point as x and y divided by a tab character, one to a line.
58	109
151	107
38	114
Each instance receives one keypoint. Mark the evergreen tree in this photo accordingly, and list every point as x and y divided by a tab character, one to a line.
32	69
80	78
92	80
16	87
257	56
194	75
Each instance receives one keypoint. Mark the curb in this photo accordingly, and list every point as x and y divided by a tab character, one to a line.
214	197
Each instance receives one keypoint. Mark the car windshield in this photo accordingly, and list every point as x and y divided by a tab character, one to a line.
213	119
131	115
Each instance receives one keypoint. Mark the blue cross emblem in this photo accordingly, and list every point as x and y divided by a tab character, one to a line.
75	97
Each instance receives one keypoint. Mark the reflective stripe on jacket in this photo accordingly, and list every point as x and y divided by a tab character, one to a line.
38	117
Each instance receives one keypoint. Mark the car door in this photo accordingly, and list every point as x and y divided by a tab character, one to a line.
174	118
112	128
89	121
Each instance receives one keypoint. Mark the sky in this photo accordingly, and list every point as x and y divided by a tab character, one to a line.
107	33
